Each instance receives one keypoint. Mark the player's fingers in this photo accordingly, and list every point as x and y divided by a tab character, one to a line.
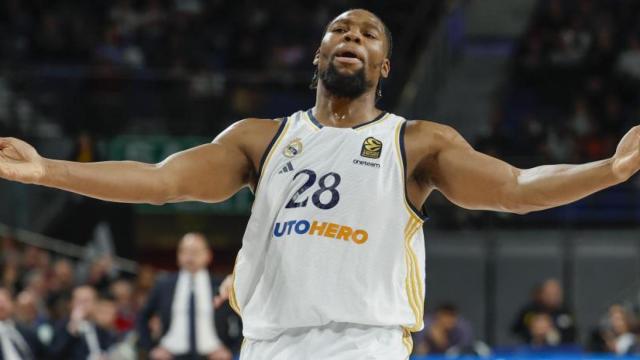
5	141
217	301
9	152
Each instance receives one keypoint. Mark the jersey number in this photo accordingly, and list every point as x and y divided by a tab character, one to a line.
316	197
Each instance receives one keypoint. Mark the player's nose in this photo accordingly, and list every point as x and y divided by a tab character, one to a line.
353	36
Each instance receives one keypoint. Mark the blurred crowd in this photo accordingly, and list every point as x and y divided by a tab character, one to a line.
58	308
47	298
546	325
163	66
176	35
42	292
572	91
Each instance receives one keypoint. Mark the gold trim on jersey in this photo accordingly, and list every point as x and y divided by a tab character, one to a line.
412	213
372	123
407	340
271	152
413	281
315	127
309	122
233	300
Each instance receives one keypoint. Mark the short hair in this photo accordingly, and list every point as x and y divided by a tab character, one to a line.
448	308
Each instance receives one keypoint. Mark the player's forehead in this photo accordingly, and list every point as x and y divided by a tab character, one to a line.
359	17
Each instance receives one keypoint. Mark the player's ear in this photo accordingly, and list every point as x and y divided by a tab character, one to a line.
316	57
385	68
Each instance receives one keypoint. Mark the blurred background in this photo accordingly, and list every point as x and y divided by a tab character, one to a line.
529	81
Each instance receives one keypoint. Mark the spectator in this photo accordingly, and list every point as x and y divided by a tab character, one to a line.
10	276
180	299
61	284
81	336
36	284
543	332
101	273
143	284
105	315
444	332
26	314
616	334
547	299
16	341
122	292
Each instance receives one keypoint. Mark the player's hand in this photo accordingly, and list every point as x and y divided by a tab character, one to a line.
626	161
160	353
221	353
223	292
19	161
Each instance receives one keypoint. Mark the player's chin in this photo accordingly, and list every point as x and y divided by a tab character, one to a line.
347	71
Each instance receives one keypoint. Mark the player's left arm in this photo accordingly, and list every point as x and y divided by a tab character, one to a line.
474	180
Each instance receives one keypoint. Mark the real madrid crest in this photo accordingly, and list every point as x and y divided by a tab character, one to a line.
293	149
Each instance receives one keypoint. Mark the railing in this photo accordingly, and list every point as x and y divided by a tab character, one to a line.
60	247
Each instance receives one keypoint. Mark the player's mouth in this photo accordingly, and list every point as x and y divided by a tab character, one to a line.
348	57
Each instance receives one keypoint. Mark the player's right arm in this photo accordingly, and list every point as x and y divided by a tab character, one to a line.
210	173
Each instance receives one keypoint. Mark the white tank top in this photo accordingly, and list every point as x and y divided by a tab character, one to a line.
331	237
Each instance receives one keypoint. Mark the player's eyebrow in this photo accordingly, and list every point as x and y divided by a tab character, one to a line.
372	25
365	23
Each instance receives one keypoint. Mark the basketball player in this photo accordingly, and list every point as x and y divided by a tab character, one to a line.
332	261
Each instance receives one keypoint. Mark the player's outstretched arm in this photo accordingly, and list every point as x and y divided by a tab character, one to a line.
210	173
477	181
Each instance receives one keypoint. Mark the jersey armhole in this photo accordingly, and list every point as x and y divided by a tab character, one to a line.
268	152
403	158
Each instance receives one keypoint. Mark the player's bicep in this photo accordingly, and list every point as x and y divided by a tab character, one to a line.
211	172
471	179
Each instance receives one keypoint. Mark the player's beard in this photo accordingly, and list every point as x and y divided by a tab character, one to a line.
346	86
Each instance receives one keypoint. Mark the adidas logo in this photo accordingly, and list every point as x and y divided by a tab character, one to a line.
286	168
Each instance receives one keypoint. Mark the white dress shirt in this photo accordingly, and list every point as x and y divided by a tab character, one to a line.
88	331
176	340
11	340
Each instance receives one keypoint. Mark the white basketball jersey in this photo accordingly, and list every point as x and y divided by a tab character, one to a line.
332	237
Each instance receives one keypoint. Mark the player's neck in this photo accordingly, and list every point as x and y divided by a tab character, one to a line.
336	111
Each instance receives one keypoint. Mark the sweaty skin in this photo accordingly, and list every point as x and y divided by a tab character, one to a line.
438	158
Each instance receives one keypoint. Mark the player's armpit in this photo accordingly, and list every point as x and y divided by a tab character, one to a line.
216	171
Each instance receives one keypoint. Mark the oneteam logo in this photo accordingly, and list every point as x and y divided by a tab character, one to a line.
326	229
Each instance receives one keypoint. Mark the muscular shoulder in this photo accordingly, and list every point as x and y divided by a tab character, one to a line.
424	142
251	129
428	137
251	136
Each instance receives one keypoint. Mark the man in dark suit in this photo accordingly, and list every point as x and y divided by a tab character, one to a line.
16	342
79	337
191	326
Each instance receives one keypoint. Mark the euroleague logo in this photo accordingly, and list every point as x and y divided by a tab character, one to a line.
371	148
324	229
